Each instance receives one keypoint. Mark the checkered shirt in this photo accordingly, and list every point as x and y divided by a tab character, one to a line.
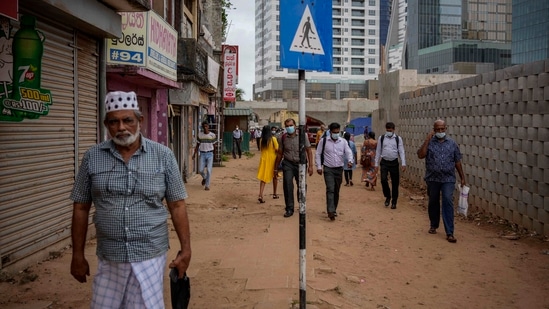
130	218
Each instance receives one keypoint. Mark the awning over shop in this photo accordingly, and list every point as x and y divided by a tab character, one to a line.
237	112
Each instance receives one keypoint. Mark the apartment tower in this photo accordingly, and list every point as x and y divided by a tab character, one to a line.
359	30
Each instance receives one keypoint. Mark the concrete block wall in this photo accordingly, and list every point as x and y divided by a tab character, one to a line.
500	119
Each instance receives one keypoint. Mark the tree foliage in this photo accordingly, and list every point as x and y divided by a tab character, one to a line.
239	93
225	6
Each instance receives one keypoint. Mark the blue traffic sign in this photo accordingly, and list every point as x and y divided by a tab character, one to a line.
306	35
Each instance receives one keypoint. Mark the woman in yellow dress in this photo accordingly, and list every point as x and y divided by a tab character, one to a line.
265	174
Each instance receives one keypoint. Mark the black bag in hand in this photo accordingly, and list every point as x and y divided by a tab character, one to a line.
180	290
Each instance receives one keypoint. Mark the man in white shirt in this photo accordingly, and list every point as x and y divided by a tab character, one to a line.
237	139
330	153
205	145
389	148
257	135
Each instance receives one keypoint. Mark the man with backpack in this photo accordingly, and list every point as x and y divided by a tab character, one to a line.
389	148
289	154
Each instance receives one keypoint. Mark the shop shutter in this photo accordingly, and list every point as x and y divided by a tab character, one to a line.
87	109
37	157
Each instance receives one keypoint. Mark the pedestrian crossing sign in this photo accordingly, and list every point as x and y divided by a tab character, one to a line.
306	35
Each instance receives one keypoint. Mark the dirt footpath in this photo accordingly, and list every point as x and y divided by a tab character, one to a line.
245	254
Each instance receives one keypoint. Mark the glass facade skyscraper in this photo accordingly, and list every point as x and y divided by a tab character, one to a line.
443	33
530	31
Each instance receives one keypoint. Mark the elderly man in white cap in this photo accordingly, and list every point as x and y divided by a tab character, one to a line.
126	178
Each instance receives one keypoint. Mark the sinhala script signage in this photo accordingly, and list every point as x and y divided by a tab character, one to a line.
148	41
230	72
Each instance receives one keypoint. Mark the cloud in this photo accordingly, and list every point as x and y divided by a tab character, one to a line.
242	33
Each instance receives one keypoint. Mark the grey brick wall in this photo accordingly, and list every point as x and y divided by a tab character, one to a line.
500	120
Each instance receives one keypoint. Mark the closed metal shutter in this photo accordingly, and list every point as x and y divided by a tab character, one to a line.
37	157
87	121
175	134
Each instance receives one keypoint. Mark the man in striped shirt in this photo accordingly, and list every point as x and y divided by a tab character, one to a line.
205	145
330	154
390	147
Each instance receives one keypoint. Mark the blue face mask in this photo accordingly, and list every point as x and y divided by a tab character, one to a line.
389	134
290	129
335	136
440	134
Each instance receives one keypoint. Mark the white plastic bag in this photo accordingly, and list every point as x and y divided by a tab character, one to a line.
463	203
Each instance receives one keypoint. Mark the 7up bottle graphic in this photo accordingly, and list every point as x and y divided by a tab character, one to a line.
27	99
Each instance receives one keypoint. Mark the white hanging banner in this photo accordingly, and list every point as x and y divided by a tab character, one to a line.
230	72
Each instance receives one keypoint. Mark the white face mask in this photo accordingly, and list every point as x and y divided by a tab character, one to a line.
389	134
440	134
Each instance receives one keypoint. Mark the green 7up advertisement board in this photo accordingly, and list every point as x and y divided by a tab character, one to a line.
21	96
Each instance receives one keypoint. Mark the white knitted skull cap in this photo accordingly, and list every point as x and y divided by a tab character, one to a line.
120	100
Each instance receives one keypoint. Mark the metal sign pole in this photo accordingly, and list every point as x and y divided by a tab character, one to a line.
302	192
305	44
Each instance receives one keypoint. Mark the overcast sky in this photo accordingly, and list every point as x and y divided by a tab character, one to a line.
242	33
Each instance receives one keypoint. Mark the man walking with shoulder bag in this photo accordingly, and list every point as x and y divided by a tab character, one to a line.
330	158
389	148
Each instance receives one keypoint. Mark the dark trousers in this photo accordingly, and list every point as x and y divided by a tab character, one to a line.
236	145
333	178
258	140
348	175
436	190
390	168
290	174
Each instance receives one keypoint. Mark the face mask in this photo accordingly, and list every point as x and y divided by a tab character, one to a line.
440	134
389	134
273	132
335	136
290	129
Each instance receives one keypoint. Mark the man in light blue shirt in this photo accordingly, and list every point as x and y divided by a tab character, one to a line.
330	155
389	148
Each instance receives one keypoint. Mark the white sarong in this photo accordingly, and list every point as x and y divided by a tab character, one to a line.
129	285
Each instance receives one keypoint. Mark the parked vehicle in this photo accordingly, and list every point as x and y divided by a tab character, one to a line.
311	133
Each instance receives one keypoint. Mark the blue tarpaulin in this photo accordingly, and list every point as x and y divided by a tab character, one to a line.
357	125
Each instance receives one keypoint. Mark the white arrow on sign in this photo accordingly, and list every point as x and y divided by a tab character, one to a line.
306	39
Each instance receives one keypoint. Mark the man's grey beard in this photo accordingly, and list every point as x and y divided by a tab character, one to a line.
125	141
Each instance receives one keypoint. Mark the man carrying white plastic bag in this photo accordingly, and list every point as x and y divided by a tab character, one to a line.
442	158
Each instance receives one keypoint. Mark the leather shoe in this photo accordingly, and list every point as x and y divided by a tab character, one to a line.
203	181
394	206
332	216
288	214
387	201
